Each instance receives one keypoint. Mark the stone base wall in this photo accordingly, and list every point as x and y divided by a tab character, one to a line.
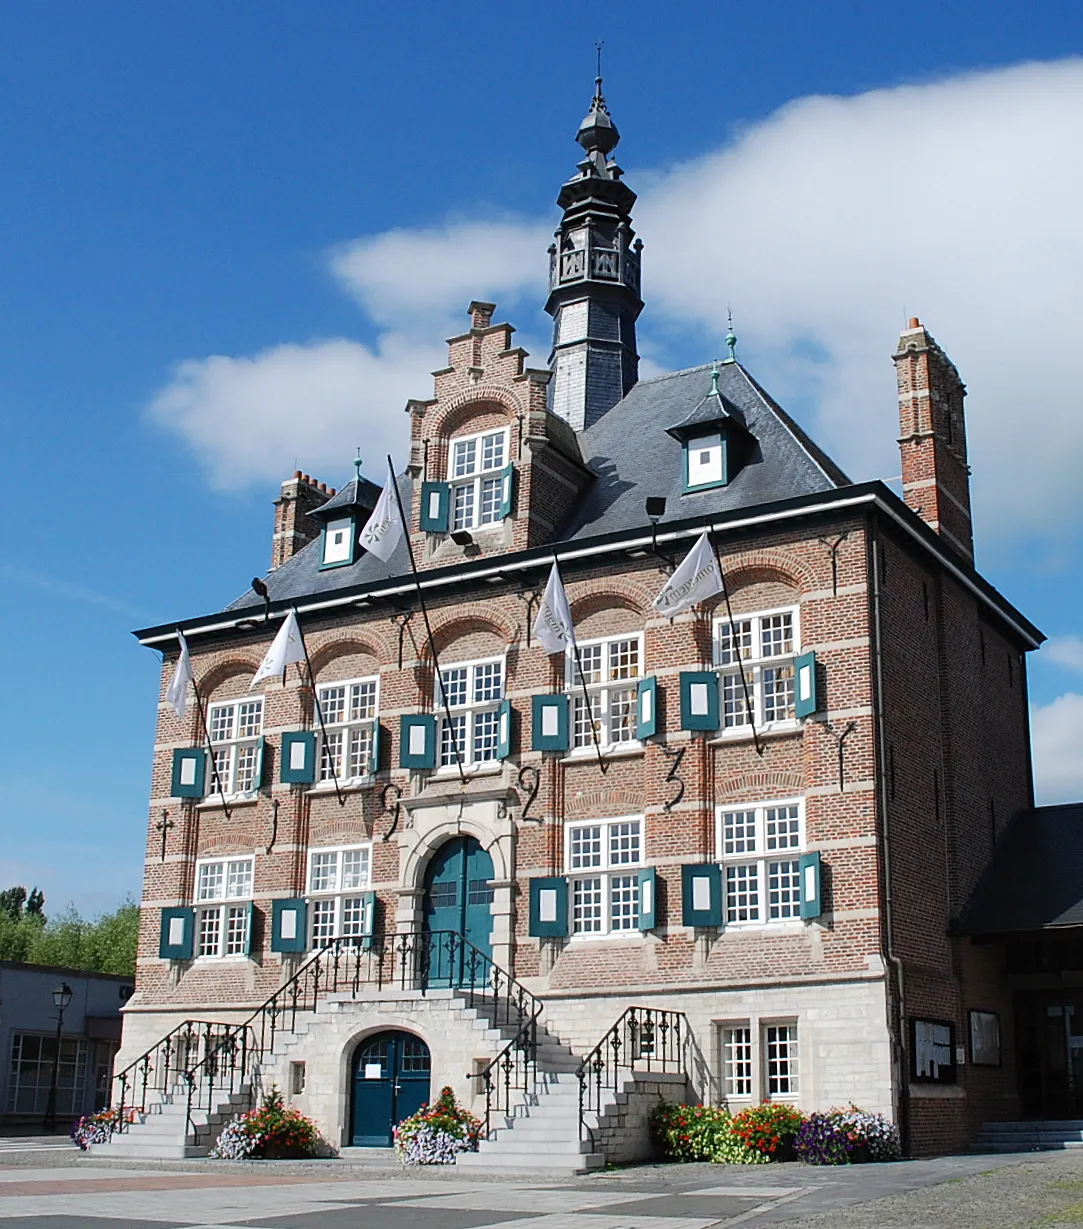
624	1134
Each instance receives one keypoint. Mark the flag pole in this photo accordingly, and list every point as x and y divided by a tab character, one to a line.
438	678
319	714
602	765
210	746
749	706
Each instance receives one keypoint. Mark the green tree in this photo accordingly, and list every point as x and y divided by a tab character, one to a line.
105	945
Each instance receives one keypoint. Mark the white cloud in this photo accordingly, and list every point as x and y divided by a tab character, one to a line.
824	226
306	406
423	276
1057	734
1064	651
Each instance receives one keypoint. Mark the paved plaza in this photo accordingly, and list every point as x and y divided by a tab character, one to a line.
46	1184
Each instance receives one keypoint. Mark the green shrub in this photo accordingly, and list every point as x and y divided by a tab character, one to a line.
700	1133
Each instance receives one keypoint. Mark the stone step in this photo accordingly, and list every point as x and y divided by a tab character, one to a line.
513	1163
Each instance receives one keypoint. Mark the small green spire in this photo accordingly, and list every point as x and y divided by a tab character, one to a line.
714	379
731	340
357	464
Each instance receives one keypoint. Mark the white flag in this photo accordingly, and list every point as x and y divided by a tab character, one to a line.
287	646
696	579
383	529
553	626
177	691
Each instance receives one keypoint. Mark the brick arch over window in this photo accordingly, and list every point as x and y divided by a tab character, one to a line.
443	420
228	680
453	638
324	658
752	786
769	566
605	802
621	608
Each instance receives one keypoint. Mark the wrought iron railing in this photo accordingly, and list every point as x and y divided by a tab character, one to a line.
513	1072
643	1039
204	1060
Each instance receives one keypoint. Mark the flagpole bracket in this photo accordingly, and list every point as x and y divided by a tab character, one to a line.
656	550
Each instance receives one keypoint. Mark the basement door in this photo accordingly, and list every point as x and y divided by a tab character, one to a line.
458	893
391	1073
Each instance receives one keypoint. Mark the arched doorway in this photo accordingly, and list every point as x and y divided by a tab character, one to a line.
458	896
391	1074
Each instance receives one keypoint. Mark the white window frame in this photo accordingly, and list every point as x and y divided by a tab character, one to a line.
476	483
766	853
771	1054
760	672
343	903
223	907
337	544
603	696
348	731
714	467
737	1060
233	755
470	711
609	873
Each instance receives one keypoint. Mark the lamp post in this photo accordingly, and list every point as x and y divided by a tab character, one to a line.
62	996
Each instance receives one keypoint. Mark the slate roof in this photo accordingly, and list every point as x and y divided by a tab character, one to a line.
632	457
1035	879
348	497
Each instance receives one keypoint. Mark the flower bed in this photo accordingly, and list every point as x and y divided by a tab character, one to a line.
773	1132
437	1133
97	1128
275	1131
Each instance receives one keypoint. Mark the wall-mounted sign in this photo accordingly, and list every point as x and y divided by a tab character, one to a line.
932	1051
984	1038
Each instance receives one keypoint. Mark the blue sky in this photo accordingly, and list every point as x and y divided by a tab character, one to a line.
235	235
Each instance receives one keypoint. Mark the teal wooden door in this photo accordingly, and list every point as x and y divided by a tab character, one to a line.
458	893
391	1074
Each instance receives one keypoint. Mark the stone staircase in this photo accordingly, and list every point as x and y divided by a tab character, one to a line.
1029	1136
163	1131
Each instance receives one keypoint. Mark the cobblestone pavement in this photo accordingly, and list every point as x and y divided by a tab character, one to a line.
45	1186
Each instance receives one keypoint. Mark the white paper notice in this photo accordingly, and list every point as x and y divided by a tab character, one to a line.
373	1071
701	893
697	699
176	931
547	905
297	756
417	744
288	924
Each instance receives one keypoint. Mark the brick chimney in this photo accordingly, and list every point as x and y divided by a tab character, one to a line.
932	437
293	526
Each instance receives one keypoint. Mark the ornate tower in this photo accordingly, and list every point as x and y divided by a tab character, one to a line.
594	280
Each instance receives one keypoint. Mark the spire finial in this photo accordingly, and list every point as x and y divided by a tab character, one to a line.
714	379
357	464
598	75
731	338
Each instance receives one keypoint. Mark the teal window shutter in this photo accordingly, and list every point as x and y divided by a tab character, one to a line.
804	685
289	925
417	740
261	761
549	907
507	490
648	898
701	895
435	507
503	736
189	772
298	766
699	700
647	708
368	919
550	724
811	905
176	939
249	928
374	754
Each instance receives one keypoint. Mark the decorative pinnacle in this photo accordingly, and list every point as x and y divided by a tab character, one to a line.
357	464
597	131
714	379
731	340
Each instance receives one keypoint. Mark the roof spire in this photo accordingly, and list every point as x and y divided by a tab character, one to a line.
731	339
714	379
357	464
597	133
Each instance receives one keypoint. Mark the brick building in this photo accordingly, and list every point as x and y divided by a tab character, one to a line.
764	822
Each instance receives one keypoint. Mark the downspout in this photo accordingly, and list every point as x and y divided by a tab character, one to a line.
896	1026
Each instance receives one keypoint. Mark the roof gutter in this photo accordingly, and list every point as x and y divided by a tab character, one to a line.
159	637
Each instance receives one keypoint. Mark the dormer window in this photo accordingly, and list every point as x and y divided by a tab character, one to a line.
338	542
479	487
705	461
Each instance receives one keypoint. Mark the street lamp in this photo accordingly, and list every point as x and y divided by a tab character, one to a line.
62	996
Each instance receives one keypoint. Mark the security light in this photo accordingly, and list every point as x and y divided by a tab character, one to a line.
462	537
656	507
